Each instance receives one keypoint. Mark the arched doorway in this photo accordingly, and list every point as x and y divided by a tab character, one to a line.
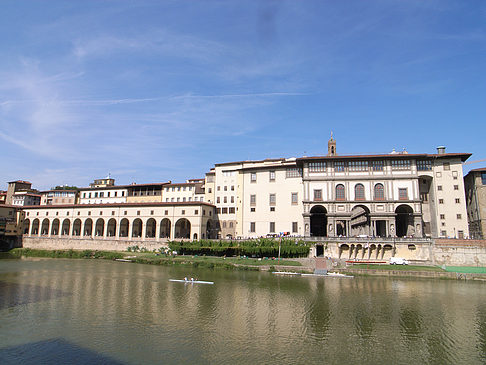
55	227
66	225
360	221
88	227
111	232
404	221
183	228
318	221
151	228
124	227
165	228
45	227
77	227
35	227
26	226
100	227
137	228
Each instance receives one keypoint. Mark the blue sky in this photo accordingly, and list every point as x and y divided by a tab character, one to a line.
152	91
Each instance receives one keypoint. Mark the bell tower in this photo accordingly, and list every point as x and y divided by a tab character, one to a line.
331	147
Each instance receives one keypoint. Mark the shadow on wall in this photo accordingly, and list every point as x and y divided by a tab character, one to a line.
55	351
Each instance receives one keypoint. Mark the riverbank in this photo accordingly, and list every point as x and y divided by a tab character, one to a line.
149	258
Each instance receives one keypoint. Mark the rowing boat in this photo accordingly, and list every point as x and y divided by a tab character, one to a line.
191	281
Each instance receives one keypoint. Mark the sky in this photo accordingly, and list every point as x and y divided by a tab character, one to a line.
152	91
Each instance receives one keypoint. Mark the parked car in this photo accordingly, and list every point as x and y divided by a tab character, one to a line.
398	261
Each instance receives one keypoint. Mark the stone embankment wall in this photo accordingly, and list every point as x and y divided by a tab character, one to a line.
452	252
47	243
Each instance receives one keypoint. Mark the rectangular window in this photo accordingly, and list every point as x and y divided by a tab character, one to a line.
252	209
232	188
252	226
225	188
112	212
84	195
295	198
293	172
441	201
339	166
218	210
101	194
295	227
317	167
196	212
209	190
219	188
456	187
459	216
272	227
116	193
89	196
123	193
272	199
358	166
96	195
447	166
271	175
272	209
458	201
231	210
224	210
377	165
424	197
138	212
253	177
317	194
108	194
183	212
184	199
218	200
439	187
225	199
483	178
424	165
442	216
403	194
253	199
400	164
232	199
443	233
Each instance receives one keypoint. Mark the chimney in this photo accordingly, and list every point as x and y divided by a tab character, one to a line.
441	150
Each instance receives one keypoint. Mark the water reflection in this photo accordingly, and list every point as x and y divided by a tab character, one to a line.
133	314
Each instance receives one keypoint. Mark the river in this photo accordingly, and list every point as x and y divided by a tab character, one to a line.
106	312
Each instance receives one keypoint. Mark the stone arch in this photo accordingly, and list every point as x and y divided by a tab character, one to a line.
66	227
343	249
194	237
151	228
45	227
318	221
404	220
137	228
88	227
165	226
124	225
182	228
100	227
387	251
111	228
77	227
55	227
360	221
26	226
35	227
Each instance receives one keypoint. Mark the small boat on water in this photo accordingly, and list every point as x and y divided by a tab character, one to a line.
123	260
329	274
191	281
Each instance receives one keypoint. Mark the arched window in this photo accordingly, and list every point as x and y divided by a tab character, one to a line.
340	193
359	193
379	192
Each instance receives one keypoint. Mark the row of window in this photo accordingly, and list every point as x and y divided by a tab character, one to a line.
225	188
225	199
359	192
289	173
173	188
201	199
458	216
271	228
457	200
226	210
439	187
272	199
101	194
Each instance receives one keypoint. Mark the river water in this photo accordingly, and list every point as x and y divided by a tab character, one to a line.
94	311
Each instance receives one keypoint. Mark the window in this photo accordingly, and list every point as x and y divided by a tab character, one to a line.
295	198
138	212
293	172
294	227
253	199
224	224
116	193
442	216
456	187
232	188
359	193
447	166
317	194
424	197
358	166
209	190
424	165
89	213
443	233
272	199
225	199
123	193
231	210
441	201
459	216
225	188
219	188
84	195
224	210
340	193
458	201
483	178
400	164
253	177
218	210
108	194
377	165
252	209
271	175
184	199
272	227
272	209
403	194
196	212
218	200
231	224
317	167
178	199
183	212
101	194
439	187
232	199
339	166
166	212
252	226
379	192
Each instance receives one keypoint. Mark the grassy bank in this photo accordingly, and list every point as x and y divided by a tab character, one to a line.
155	259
